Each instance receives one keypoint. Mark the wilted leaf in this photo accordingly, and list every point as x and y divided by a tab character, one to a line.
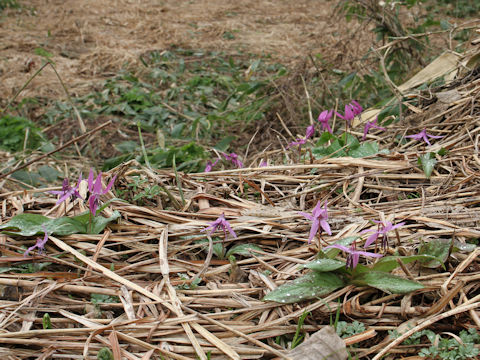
324	344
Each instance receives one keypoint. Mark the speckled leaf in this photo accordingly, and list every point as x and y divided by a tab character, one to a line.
325	265
386	282
242	249
310	286
439	248
388	263
31	224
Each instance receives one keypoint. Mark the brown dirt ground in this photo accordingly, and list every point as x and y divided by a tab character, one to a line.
92	40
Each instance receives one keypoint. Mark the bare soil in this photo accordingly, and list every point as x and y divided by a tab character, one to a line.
92	40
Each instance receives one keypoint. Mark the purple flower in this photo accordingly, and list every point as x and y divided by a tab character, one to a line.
310	131
234	159
222	223
353	254
422	135
40	244
263	163
319	219
351	110
209	166
298	142
323	119
371	125
96	189
356	107
348	115
67	191
382	230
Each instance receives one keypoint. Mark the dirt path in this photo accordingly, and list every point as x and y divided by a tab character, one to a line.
92	40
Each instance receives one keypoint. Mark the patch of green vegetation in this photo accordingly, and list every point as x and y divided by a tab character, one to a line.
345	330
445	348
9	4
17	133
189	98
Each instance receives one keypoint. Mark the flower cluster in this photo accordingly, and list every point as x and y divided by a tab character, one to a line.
382	229
67	191
95	189
233	157
351	110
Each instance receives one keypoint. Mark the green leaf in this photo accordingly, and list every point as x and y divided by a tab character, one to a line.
242	249
325	265
388	263
223	144
46	321
31	224
438	248
310	286
386	282
105	354
428	162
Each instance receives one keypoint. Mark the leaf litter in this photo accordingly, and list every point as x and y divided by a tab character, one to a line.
148	284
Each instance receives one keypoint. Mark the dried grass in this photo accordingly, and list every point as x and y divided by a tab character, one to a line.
151	247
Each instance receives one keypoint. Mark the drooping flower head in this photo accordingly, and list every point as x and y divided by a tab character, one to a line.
371	125
310	131
209	166
353	254
323	119
234	159
67	191
298	142
351	110
382	229
40	244
96	190
319	219
422	135
356	108
222	223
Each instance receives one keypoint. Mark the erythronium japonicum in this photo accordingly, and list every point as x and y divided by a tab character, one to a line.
319	219
40	244
96	190
353	254
323	119
382	229
308	134
351	110
371	125
422	135
310	131
209	166
67	191
234	159
221	222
